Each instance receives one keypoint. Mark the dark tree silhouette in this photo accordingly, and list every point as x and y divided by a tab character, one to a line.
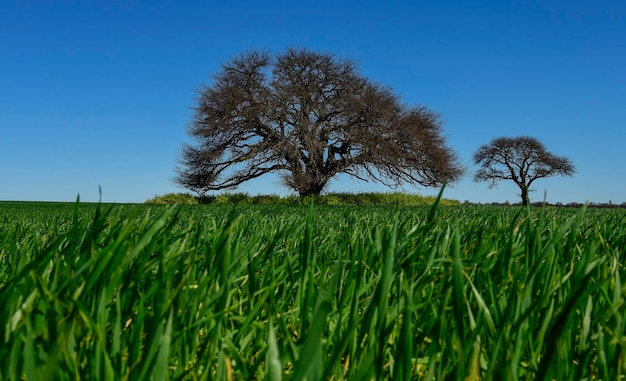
308	117
521	159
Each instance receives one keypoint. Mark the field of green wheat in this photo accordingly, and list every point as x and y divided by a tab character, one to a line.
221	292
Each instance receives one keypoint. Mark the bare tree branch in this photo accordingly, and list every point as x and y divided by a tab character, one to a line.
309	117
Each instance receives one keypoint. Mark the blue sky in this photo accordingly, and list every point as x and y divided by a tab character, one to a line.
97	93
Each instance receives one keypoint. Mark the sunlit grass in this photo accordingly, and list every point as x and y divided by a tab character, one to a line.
298	292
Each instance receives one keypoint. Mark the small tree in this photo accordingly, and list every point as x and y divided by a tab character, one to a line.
309	117
521	159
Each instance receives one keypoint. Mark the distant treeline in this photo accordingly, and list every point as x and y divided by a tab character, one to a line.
396	198
601	205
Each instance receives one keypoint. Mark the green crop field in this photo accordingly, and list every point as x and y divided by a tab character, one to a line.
138	292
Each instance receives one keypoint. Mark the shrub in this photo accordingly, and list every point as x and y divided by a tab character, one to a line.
232	198
173	198
365	198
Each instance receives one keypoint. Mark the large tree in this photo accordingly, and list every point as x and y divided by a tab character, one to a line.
308	116
521	159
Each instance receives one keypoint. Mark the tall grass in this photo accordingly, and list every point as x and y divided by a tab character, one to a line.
299	292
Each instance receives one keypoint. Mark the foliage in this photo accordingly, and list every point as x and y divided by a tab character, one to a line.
396	198
295	292
173	199
521	159
309	117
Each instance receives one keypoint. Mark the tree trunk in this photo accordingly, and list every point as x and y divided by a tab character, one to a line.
313	189
524	189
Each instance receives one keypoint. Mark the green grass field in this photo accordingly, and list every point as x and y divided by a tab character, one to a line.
137	292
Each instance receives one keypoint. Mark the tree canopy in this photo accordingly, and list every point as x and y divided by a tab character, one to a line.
309	117
521	159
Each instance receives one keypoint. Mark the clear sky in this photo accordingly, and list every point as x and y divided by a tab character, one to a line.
97	93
